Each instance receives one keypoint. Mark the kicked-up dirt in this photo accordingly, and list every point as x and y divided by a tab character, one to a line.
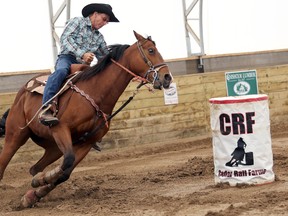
169	178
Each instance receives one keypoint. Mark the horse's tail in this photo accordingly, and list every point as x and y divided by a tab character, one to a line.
3	123
4	116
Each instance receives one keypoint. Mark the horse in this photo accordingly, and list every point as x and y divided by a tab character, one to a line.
84	111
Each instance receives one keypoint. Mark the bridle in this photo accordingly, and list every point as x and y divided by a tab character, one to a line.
152	68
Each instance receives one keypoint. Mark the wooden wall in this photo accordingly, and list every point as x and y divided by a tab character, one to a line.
147	119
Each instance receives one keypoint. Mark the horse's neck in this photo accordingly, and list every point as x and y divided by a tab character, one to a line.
108	86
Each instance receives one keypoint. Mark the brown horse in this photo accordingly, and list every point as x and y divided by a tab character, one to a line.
84	112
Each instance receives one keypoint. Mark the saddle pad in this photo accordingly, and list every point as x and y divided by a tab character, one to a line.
37	84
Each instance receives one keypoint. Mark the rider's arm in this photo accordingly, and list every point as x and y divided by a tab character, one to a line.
69	38
102	50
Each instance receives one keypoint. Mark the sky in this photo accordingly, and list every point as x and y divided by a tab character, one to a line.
229	26
234	26
26	39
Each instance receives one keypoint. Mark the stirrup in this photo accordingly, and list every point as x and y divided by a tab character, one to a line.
96	147
46	118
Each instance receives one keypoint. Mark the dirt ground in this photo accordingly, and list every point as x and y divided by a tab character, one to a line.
171	178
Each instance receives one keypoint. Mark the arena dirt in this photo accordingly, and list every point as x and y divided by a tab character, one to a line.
171	178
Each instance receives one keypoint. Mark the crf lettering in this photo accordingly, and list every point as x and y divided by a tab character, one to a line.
237	123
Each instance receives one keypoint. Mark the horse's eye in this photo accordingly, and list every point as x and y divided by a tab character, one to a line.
151	51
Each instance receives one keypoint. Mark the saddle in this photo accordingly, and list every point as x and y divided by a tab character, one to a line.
37	83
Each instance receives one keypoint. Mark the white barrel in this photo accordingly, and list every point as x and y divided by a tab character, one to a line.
241	140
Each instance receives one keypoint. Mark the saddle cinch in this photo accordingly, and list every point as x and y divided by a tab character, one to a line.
37	83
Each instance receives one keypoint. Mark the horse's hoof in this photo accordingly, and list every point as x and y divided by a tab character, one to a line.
29	199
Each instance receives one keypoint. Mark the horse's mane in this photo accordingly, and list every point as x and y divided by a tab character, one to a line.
115	52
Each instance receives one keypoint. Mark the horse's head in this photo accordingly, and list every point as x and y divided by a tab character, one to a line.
148	63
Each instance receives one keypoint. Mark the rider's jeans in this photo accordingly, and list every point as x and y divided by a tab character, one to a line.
55	80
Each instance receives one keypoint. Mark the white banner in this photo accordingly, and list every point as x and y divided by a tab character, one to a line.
171	95
242	140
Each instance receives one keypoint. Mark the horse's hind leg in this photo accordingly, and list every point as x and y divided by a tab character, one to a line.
14	139
14	136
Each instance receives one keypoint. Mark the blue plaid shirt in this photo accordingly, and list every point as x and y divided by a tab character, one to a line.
78	38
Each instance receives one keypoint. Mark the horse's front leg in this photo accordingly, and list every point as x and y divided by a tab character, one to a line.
50	177
46	182
59	174
33	196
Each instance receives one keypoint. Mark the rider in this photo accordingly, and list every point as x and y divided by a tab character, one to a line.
80	43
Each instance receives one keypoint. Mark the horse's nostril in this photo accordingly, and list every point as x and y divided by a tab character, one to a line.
167	81
167	77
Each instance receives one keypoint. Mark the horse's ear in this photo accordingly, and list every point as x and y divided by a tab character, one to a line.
138	36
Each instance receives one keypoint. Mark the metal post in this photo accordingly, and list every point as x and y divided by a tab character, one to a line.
201	27
54	46
197	37
53	18
188	43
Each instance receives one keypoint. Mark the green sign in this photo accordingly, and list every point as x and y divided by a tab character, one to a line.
241	83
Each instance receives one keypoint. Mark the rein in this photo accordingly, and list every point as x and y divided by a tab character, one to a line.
143	81
87	135
127	70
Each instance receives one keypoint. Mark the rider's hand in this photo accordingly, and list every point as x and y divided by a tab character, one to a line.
88	57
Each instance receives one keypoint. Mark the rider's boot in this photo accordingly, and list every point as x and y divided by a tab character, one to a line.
46	116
